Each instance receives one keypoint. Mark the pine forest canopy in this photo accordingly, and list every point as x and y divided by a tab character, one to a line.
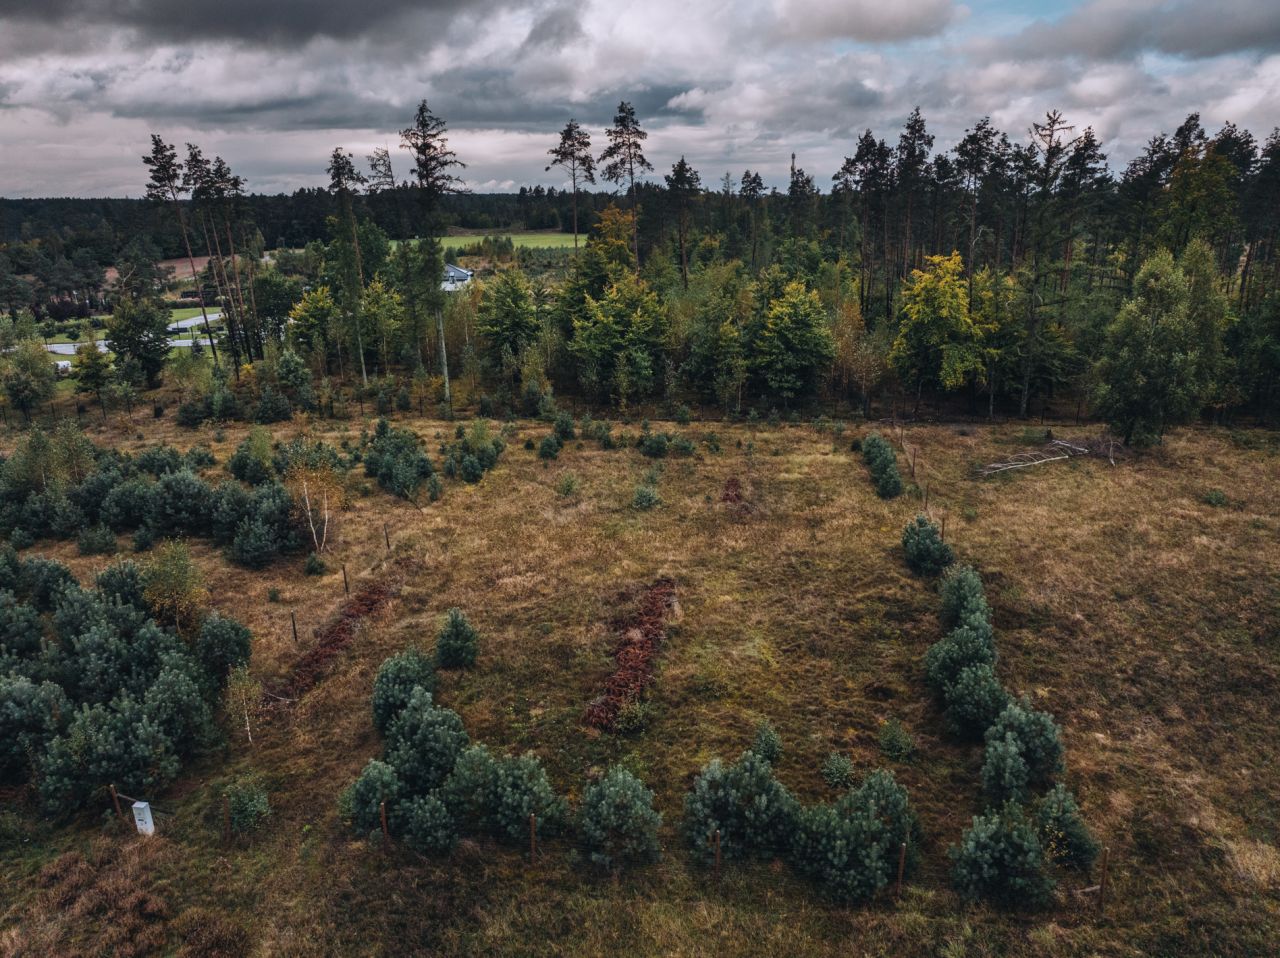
1003	271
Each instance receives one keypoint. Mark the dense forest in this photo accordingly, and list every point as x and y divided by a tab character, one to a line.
1001	276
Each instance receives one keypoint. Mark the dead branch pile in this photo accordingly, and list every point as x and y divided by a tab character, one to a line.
642	635
1103	446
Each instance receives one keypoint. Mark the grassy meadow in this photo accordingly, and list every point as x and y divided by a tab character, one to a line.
1144	618
528	239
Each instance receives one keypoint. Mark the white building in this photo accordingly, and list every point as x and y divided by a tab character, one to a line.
455	278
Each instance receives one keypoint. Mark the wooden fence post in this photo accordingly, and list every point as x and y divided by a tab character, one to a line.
926	497
115	799
387	536
382	814
944	528
902	867
1102	885
913	462
346	586
293	619
715	838
533	836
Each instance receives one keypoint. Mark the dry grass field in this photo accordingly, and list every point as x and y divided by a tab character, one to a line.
1146	620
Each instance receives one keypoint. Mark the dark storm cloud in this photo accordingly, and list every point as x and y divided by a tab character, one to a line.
1114	29
729	83
262	22
555	29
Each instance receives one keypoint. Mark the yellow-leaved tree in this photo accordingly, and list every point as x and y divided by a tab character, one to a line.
938	343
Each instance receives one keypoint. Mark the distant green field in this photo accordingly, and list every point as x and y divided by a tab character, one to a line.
528	240
183	312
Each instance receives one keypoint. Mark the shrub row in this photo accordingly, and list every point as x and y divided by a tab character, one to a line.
473	453
438	786
882	463
848	848
1031	824
395	458
155	494
93	691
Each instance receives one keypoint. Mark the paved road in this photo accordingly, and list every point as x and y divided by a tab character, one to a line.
180	326
193	321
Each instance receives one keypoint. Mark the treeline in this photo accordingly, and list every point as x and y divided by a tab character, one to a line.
103	226
1000	276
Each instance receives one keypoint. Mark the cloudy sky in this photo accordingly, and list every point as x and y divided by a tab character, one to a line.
274	85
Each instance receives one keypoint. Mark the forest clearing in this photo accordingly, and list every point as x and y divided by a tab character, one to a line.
795	608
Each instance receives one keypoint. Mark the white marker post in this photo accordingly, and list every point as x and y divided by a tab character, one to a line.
142	818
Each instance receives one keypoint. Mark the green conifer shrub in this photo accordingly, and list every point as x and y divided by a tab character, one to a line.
645	498
425	825
222	645
177	705
955	652
397	677
115	742
127	505
767	744
520	789
895	741
618	822
926	553
199	457
882	464
181	505
143	539
231	506
123	581
962	595
837	771
1063	834
549	448
563	427
157	460
252	460
1005	776
272	407
1036	738
255	545
470	790
41	580
424	742
974	700
31	715
655	444
457	642
754	813
96	540
361	799
1000	859
248	806
850	848
395	458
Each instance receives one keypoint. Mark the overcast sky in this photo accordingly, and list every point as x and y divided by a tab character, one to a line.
274	85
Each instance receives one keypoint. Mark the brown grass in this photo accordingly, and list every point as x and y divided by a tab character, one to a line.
1144	619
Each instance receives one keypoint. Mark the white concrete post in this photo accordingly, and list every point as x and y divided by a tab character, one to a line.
142	818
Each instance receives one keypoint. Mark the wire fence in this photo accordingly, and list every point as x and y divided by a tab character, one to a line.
904	868
908	869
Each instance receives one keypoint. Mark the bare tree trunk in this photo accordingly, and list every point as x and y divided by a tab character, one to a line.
444	361
191	263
